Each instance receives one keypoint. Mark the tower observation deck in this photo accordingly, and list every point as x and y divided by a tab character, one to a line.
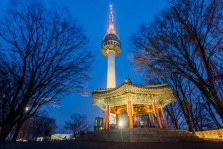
111	48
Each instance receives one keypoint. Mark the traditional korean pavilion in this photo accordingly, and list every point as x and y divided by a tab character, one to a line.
132	99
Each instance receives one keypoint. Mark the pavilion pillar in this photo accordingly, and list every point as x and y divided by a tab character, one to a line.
134	120
106	117
157	114
151	120
164	118
117	120
130	113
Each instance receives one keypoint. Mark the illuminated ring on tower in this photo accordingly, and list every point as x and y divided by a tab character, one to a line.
111	42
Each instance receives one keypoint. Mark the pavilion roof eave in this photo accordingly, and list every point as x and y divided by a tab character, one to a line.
99	105
129	87
161	93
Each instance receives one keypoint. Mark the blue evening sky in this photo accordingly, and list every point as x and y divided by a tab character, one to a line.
93	16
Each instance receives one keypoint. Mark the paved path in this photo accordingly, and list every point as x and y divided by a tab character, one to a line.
110	145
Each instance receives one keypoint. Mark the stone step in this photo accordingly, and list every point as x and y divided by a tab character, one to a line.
141	135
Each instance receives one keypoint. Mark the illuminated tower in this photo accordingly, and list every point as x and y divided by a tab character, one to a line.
111	48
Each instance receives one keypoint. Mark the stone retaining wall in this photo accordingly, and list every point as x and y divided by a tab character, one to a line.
216	134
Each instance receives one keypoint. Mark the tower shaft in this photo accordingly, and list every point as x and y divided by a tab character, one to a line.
111	48
111	81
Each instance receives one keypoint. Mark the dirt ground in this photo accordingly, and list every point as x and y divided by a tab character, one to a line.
111	145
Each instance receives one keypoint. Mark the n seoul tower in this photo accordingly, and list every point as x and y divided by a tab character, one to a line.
111	48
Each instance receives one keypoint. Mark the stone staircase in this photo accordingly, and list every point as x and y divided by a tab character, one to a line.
141	135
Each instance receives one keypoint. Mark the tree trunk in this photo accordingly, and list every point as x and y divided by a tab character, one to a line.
213	116
3	136
15	135
6	129
187	118
172	116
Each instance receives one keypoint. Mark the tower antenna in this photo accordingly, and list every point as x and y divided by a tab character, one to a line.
111	27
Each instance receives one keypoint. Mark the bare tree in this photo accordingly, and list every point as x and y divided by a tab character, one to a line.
40	125
174	116
192	105
43	55
185	40
77	122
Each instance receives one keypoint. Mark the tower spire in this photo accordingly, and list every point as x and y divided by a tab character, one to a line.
111	27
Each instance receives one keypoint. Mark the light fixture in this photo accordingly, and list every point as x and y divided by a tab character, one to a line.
27	108
120	124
